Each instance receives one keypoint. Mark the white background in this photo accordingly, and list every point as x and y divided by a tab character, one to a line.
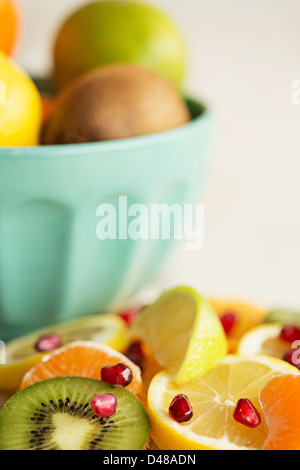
244	56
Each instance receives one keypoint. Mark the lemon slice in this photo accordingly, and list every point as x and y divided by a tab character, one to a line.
213	397
184	333
21	354
264	339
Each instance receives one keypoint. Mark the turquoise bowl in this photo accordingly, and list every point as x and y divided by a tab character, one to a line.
53	267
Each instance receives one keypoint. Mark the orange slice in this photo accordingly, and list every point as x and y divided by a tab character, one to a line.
281	410
81	359
247	317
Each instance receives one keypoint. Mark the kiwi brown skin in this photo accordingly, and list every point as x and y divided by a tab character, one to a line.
115	102
56	414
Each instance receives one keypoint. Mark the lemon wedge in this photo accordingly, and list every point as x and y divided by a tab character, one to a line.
184	333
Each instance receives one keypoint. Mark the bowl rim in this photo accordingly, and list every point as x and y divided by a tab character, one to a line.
60	151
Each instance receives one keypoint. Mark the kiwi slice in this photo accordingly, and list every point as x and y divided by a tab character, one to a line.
56	415
285	317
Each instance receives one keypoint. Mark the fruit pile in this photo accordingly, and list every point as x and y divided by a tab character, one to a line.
184	372
156	377
108	83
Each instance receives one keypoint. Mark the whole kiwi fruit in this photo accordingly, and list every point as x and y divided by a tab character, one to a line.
114	102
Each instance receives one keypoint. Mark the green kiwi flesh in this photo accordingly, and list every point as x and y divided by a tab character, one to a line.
285	317
56	415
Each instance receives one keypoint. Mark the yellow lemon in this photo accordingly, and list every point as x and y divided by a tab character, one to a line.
213	398
20	106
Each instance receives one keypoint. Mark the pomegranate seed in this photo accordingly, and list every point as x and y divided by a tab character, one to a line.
228	321
130	315
104	405
290	333
246	413
181	409
48	343
292	359
136	355
117	375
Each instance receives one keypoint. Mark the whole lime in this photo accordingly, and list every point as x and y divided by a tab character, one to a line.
106	32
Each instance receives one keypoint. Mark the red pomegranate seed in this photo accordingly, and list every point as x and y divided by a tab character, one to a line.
117	375
104	405
48	343
130	315
180	409
292	357
136	355
228	321
246	413
290	333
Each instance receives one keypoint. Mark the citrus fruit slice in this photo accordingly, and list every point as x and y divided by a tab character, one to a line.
21	354
245	317
264	339
183	332
213	397
106	32
281	409
81	359
9	25
20	106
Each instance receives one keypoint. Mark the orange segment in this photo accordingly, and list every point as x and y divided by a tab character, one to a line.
281	409
248	316
81	359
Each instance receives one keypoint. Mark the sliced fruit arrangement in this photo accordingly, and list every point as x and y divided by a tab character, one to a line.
183	332
272	339
175	362
281	408
73	414
25	352
82	359
208	413
237	318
